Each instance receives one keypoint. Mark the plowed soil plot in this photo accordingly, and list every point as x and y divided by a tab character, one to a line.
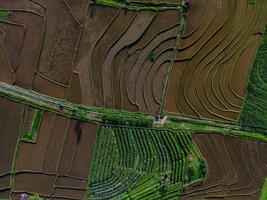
10	120
214	59
237	168
40	38
120	54
59	161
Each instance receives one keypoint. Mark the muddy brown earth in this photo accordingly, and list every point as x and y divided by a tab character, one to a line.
118	61
207	80
10	123
236	168
89	54
75	90
57	165
101	56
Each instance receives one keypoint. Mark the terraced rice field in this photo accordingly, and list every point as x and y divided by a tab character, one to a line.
95	55
237	169
146	56
141	163
214	58
123	61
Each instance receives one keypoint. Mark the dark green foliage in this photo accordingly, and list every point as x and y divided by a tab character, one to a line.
251	1
254	111
133	120
151	56
117	117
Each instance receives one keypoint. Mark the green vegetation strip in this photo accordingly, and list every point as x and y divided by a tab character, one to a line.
206	128
4	15
254	111
119	117
69	109
35	124
264	190
137	6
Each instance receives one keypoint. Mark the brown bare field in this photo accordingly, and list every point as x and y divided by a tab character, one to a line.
10	129
23	38
61	35
96	23
22	5
57	164
236	169
34	183
98	58
10	122
83	152
4	194
6	74
45	86
31	155
30	50
11	31
5	182
68	150
69	188
77	9
214	59
75	90
113	67
53	151
48	45
71	183
69	193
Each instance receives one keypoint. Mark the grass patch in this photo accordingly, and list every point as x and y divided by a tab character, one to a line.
211	128
35	124
4	15
196	170
35	197
264	190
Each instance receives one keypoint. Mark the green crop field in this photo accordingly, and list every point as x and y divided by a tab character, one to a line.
264	191
139	163
4	15
254	113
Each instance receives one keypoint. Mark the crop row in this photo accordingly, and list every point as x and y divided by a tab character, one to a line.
127	161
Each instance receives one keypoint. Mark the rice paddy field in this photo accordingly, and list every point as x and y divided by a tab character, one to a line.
133	99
